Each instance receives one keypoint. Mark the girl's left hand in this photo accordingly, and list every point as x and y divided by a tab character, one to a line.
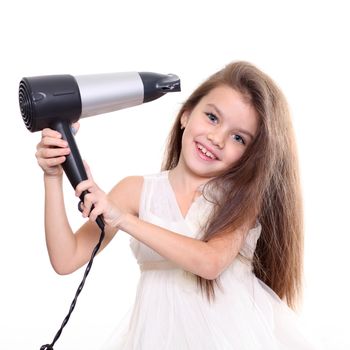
102	204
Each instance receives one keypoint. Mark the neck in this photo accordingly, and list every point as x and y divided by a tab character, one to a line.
185	182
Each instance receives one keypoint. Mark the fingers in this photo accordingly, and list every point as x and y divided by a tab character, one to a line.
51	138
95	201
87	185
87	169
47	132
52	151
89	210
51	162
96	211
94	205
87	204
51	147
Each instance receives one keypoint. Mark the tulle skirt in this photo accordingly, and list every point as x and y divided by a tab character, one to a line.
171	313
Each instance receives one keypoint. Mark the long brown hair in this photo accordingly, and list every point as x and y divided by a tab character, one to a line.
263	184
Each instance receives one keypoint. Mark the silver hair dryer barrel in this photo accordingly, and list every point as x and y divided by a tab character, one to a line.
44	99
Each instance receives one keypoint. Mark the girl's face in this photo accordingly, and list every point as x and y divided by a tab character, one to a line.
217	132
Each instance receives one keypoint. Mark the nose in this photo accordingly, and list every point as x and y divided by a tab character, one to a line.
217	139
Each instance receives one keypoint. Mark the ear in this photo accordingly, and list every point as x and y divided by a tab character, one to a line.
184	118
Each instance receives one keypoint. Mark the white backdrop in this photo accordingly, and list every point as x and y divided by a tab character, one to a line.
302	45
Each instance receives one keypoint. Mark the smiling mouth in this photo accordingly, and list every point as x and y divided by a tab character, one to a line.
204	152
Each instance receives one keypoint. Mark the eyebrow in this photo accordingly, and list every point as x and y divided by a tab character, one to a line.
242	131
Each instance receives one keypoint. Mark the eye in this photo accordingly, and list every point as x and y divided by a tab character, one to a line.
212	117
239	139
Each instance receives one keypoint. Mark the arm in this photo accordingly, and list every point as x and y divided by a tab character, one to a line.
60	241
67	251
206	259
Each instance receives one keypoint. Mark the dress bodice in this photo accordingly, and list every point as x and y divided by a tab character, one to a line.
158	205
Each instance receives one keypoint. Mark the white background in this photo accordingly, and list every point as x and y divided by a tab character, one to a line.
302	45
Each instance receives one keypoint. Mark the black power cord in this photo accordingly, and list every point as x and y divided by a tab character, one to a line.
101	225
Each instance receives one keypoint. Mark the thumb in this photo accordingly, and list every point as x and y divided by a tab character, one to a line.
75	127
87	169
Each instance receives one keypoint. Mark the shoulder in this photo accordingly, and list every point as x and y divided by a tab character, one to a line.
127	192
130	182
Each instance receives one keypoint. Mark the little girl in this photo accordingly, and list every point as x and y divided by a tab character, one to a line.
217	233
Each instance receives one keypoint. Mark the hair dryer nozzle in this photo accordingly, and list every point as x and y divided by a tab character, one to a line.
170	83
156	85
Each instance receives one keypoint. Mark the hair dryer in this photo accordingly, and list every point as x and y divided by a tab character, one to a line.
56	101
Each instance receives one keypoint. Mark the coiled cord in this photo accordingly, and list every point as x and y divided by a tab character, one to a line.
81	285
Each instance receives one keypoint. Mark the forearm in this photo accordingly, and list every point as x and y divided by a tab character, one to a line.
60	240
190	254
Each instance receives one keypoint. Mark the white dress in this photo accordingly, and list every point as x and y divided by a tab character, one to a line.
171	313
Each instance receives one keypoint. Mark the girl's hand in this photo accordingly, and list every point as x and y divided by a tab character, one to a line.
96	197
52	151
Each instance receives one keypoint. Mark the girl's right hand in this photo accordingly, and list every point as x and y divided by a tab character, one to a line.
52	151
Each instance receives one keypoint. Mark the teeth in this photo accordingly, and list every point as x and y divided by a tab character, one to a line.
205	151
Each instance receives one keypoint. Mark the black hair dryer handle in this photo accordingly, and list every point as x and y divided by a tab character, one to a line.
73	165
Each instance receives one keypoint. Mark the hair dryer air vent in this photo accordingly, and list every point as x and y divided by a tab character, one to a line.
47	99
26	105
